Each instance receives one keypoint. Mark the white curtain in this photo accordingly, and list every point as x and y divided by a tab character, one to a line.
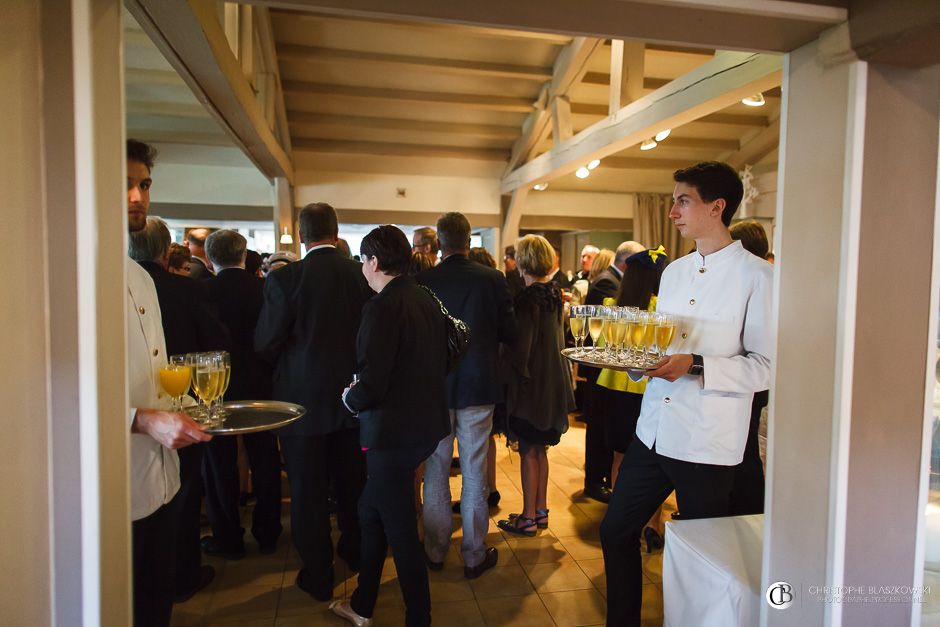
652	226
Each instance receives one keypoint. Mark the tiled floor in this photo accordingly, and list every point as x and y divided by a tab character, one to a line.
556	578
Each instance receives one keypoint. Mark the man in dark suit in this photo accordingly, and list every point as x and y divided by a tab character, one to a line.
480	297
597	457
190	325
238	296
558	276
200	268
308	327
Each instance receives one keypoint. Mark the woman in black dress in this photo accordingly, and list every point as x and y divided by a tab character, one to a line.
539	392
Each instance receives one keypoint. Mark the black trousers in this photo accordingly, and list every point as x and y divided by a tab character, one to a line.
187	504
312	463
387	517
747	495
597	455
220	471
646	478
153	541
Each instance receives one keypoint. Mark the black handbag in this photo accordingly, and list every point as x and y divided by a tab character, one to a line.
458	333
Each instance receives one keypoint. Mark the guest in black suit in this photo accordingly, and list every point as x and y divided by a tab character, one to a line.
190	325
308	328
513	278
200	268
401	399
598	457
479	296
238	297
557	276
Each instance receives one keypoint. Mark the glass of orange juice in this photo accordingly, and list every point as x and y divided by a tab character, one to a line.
175	378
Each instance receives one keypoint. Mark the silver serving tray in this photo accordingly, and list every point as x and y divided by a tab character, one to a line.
599	361
253	416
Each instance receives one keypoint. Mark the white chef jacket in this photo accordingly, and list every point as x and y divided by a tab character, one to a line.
155	469
724	315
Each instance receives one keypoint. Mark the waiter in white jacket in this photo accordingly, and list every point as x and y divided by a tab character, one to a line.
694	419
155	432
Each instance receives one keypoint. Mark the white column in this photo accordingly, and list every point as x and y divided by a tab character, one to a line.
284	214
854	244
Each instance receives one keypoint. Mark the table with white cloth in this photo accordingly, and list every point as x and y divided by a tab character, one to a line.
712	571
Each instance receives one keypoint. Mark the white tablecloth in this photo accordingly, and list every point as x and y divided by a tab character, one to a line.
712	570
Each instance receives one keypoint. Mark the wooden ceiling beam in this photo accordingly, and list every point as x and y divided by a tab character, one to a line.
316	54
487	131
757	147
708	88
643	163
758	25
388	149
189	35
469	101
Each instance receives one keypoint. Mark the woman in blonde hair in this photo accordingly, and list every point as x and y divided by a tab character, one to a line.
603	261
539	392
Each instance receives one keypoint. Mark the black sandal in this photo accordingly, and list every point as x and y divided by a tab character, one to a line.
519	525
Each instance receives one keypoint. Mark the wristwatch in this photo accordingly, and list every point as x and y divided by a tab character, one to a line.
698	366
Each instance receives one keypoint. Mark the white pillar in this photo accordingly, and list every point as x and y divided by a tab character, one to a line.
284	215
854	244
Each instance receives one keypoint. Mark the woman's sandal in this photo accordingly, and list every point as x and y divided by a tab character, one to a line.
541	518
519	525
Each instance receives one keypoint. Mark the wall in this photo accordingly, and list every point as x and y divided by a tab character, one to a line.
210	184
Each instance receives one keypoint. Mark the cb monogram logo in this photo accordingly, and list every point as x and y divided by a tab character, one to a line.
780	595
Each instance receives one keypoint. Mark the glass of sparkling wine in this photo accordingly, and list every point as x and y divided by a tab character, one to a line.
665	332
197	411
649	335
620	334
224	363
610	332
206	381
576	323
175	378
595	327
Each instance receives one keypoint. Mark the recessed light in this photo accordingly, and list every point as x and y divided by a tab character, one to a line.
661	135
593	164
649	144
540	187
757	100
582	173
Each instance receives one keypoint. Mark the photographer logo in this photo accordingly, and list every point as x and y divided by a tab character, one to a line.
779	595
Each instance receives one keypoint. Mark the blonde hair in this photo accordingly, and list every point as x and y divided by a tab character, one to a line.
601	263
535	256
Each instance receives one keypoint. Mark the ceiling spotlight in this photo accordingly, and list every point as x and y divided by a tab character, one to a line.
593	164
582	173
661	135
757	100
540	187
649	144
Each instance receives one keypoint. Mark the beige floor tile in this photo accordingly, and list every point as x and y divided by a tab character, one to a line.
449	585
652	602
557	577
389	616
501	581
262	571
322	618
294	601
594	569
541	549
653	566
582	547
576	607
518	611
463	613
244	603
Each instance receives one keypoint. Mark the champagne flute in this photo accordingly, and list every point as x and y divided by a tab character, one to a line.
595	326
198	411
224	362
206	382
576	323
649	336
665	332
620	336
175	378
610	332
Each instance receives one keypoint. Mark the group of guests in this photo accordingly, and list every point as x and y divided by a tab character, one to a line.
363	346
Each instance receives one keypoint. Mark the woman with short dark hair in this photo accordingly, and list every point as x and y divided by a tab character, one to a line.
402	361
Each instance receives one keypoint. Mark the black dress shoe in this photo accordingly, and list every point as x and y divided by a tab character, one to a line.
598	492
432	565
321	591
489	561
206	575
211	546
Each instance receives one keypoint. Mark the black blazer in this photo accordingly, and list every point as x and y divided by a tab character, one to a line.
479	296
198	270
402	350
190	324
238	296
515	281
561	280
605	285
308	328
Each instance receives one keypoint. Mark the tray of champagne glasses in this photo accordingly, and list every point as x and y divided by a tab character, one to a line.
240	417
624	338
